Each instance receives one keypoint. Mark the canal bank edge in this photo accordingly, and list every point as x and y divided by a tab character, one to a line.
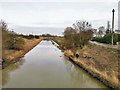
71	57
19	54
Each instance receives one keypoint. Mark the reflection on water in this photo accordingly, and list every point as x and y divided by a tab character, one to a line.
46	67
81	77
11	68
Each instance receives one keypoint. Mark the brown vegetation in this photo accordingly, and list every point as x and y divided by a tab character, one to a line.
100	62
15	46
76	39
9	55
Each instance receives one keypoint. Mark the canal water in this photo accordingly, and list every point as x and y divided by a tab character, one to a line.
45	66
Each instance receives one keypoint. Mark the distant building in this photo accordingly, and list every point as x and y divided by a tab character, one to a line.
94	32
101	31
117	31
119	15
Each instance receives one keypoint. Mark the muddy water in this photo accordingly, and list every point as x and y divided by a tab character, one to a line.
46	67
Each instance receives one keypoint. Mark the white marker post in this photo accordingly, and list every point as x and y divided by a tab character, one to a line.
112	24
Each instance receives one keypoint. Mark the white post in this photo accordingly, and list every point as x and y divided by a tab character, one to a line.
112	24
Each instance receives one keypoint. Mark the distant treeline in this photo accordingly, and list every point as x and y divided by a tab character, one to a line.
30	36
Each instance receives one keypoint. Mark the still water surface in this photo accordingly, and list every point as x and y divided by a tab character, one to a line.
46	67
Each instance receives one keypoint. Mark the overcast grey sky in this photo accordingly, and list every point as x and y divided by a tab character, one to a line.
59	0
57	13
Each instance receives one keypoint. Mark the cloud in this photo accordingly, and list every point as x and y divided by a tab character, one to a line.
54	13
59	0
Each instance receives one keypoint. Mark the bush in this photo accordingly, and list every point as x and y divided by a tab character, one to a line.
36	36
30	37
85	36
14	42
10	39
98	39
108	38
69	36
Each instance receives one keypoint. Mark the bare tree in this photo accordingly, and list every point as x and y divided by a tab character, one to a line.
82	25
3	26
73	38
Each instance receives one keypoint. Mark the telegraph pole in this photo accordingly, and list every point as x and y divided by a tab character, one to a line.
113	11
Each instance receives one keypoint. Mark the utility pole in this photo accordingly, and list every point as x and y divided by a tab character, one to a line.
113	11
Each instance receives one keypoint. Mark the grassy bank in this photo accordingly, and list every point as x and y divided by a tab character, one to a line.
58	40
98	61
11	55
